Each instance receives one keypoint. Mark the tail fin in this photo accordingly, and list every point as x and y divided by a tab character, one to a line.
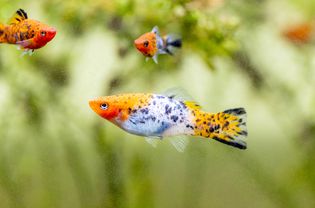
229	127
2	37
172	43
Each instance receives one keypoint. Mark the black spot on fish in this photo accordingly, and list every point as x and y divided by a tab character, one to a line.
168	109
154	102
144	110
134	111
189	126
129	110
183	105
211	129
174	118
22	36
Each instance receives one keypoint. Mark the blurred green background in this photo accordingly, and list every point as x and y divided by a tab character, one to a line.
56	152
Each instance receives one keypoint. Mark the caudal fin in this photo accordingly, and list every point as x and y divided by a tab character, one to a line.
172	43
2	36
229	127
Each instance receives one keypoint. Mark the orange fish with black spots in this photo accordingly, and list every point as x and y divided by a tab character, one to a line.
151	44
29	34
156	116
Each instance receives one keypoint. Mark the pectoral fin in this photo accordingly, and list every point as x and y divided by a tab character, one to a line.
25	43
155	58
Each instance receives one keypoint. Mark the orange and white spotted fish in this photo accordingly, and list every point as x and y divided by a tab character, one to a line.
151	44
27	33
157	116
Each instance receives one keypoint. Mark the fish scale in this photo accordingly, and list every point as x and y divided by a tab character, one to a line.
161	116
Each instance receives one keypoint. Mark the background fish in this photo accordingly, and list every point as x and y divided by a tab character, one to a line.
156	116
151	44
27	33
300	33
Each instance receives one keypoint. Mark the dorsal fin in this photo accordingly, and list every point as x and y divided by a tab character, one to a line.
178	94
18	16
192	105
155	30
181	95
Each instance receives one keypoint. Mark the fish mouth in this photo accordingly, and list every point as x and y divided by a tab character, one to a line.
51	33
92	105
137	43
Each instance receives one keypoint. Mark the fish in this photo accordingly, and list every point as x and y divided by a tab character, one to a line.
151	44
158	116
300	33
27	33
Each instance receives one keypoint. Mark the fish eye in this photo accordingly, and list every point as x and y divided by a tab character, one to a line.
43	33
103	106
146	43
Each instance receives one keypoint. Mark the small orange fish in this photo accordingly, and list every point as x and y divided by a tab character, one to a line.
27	33
156	116
151	44
301	33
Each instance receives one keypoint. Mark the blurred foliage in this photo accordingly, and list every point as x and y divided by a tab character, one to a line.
55	152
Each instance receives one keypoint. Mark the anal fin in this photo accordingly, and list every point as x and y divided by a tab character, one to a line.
153	140
179	142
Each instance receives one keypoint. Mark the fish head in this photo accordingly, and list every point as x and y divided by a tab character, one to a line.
44	34
119	107
106	107
146	44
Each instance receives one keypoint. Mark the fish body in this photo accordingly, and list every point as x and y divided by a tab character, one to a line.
151	44
27	33
300	33
159	116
